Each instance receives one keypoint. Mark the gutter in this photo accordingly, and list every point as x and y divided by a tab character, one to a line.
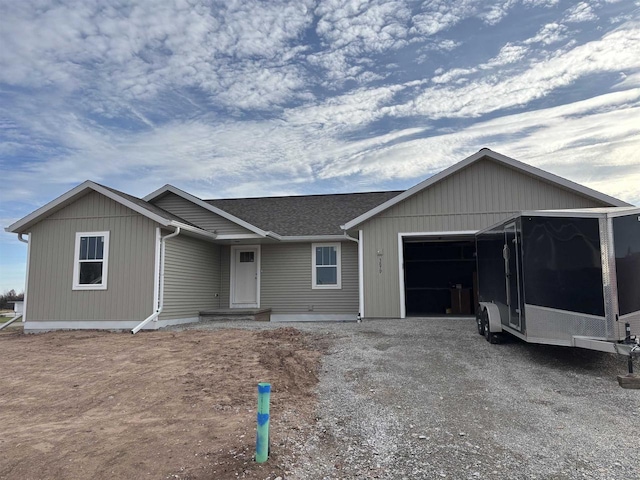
154	316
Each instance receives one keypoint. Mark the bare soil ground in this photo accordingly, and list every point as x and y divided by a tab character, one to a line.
79	405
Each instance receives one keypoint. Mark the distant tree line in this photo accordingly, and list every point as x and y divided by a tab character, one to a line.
10	296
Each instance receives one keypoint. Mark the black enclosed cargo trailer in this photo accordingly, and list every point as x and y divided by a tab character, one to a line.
563	277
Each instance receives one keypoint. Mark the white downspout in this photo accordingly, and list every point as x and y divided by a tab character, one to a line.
360	273
160	280
26	277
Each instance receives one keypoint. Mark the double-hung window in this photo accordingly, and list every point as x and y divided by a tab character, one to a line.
91	256
326	271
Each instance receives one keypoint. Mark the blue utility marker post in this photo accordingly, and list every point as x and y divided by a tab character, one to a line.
262	437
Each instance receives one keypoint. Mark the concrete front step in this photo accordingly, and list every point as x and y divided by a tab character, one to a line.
224	314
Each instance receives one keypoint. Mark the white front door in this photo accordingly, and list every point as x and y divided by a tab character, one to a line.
245	276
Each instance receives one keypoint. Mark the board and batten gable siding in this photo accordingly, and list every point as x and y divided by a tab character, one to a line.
130	281
192	277
285	284
484	193
199	216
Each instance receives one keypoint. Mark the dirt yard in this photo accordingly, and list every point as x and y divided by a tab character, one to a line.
79	405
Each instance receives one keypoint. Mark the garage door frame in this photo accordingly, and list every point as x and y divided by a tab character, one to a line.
401	236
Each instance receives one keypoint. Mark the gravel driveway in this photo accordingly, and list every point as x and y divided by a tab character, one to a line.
430	398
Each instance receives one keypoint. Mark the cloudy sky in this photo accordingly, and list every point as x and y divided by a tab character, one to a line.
251	98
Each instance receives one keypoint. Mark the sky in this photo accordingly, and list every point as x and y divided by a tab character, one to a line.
259	98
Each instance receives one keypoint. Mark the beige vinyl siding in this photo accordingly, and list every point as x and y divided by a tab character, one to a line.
474	198
192	277
129	293
286	281
199	216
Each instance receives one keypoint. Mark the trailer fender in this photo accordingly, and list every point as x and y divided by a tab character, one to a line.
495	325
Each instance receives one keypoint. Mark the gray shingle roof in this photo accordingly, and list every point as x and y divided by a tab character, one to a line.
303	215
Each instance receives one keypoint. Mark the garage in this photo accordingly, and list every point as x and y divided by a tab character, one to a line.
439	275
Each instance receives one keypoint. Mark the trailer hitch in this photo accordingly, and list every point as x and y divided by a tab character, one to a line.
635	350
631	380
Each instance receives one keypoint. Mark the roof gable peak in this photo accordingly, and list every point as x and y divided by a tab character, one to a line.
486	153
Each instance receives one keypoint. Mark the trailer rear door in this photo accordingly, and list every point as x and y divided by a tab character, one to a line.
626	234
512	275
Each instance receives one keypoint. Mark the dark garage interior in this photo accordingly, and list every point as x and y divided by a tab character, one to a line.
439	276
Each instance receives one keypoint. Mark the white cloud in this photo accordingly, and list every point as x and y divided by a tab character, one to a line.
550	33
614	52
581	12
230	50
583	141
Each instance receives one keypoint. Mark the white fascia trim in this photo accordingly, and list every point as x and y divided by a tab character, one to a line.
70	196
485	152
198	231
45	326
314	317
313	238
452	233
205	205
242	236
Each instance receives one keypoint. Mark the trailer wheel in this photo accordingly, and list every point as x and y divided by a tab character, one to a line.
488	334
480	322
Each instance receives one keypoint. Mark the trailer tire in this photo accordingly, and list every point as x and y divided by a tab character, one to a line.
489	336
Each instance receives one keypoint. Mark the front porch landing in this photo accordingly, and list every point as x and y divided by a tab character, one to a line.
220	314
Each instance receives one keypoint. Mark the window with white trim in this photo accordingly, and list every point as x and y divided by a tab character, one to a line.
91	257
326	270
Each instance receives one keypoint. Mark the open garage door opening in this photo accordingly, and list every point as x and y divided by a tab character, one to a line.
440	276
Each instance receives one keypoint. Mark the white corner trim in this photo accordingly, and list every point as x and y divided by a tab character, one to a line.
26	281
205	205
48	325
232	275
485	152
314	317
338	285
403	306
76	285
361	274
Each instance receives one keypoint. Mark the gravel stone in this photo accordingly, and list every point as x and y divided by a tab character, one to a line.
507	411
